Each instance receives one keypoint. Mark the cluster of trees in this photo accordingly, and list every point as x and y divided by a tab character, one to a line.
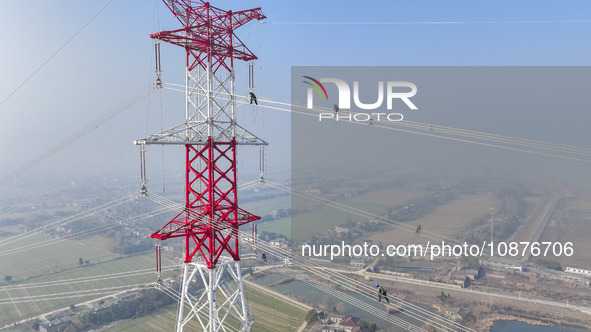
371	226
131	244
136	246
506	227
12	221
444	297
554	265
313	316
149	301
270	236
281	213
371	326
513	209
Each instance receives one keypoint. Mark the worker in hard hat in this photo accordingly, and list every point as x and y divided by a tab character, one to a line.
382	292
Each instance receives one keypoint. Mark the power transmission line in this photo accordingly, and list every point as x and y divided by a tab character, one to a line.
55	53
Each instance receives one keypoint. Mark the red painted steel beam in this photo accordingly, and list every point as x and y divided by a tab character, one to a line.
208	33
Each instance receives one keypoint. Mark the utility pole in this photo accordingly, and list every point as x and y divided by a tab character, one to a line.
211	218
492	215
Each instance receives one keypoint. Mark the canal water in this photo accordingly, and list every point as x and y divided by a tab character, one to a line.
515	326
301	290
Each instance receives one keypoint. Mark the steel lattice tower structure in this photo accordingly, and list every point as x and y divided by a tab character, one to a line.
211	217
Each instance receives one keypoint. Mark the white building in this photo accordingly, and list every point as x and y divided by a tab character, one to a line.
577	270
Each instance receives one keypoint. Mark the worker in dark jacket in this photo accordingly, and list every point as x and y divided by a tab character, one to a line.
252	98
382	292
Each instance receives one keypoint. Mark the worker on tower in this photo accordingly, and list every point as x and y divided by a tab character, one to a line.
418	231
252	98
382	292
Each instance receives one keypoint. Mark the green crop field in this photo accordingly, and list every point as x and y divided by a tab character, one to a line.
162	320
279	226
271	315
37	253
305	225
70	281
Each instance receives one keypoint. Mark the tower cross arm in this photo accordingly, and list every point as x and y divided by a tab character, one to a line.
190	12
242	17
187	39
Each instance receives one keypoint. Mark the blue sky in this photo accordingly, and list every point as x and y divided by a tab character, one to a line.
111	60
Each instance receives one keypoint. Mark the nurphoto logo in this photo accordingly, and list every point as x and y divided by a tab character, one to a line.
392	92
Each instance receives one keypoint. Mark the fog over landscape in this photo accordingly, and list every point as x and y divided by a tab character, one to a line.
497	151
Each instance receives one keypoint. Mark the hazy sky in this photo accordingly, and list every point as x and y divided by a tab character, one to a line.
112	59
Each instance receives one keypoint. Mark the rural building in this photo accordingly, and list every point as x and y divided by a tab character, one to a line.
453	313
357	262
349	324
52	326
577	270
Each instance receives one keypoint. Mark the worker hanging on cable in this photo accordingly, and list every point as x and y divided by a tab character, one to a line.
382	292
252	98
336	108
418	231
264	257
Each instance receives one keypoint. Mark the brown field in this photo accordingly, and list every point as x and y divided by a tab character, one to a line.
575	228
445	222
343	190
580	202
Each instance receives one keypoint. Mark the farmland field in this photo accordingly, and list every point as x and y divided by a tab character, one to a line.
305	225
574	228
271	314
445	222
280	226
326	217
70	281
389	197
37	253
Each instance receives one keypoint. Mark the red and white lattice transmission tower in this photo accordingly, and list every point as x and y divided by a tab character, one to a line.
210	220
